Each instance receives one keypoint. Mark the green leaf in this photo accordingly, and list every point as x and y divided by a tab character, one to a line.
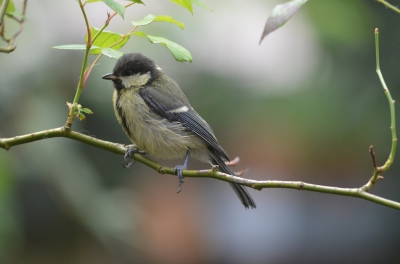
179	52
187	4
152	18
280	15
95	1
106	39
117	7
74	47
81	116
111	53
136	1
201	4
10	8
87	111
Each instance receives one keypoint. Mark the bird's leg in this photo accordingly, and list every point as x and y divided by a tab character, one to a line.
180	168
128	154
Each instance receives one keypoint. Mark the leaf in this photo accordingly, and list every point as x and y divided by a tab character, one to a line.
187	4
198	3
81	116
111	53
10	7
136	1
87	111
152	18
78	110
92	1
106	39
179	52
280	15
117	7
74	47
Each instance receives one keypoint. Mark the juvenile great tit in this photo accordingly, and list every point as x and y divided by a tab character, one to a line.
157	117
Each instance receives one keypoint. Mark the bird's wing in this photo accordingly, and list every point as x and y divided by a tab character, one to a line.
180	111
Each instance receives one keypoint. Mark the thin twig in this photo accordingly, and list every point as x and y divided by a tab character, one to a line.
3	9
371	151
385	3
11	47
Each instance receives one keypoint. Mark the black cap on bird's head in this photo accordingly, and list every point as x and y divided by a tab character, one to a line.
133	70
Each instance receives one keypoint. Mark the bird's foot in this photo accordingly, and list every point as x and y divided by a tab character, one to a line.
180	168
128	155
178	172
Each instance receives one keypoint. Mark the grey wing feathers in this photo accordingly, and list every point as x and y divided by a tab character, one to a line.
198	126
189	119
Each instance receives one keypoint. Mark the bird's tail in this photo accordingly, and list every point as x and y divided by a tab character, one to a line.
240	191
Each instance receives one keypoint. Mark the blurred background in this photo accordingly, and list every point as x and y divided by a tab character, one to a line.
304	105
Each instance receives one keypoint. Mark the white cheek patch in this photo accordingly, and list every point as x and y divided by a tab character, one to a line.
135	80
179	110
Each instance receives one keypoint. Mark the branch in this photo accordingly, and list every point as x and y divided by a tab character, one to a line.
394	8
7	143
375	177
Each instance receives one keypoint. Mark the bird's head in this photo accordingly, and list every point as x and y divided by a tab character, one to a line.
133	70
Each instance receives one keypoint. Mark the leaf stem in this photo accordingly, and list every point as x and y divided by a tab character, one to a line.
81	82
109	17
85	71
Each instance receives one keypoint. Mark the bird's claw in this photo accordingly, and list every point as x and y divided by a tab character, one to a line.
178	171
128	155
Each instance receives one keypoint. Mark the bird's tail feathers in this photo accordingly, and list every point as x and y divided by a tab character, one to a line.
240	191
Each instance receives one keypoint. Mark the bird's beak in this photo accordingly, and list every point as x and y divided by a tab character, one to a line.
110	76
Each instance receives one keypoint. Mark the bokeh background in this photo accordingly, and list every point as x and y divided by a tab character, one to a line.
304	105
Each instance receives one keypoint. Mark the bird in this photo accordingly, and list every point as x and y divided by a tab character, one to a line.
157	117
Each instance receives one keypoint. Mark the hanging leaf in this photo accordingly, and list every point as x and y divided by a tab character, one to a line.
179	52
198	3
280	15
136	1
187	4
74	47
152	18
111	53
117	7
